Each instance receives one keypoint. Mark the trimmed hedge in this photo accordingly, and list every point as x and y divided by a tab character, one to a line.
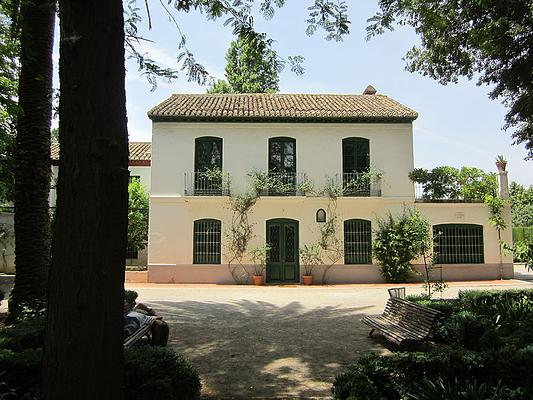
160	374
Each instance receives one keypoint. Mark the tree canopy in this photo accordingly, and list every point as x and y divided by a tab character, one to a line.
137	215
487	39
251	68
522	204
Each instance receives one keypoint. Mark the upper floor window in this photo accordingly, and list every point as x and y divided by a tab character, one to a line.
282	155
355	155
355	162
282	165
357	241
207	153
207	241
458	243
207	157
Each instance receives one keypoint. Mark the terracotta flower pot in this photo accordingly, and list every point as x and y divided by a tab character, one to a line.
308	279
258	280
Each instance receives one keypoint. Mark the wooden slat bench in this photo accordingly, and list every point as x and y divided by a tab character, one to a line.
144	330
403	321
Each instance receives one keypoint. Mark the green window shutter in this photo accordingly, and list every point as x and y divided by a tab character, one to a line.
357	241
458	243
355	155
207	241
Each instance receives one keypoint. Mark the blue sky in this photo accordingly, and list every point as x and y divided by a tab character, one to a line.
457	125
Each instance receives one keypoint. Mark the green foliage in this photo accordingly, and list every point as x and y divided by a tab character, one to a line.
252	67
154	372
238	235
265	183
310	257
496	205
137	216
485	39
220	86
521	204
9	71
523	252
398	241
20	356
450	183
259	257
486	345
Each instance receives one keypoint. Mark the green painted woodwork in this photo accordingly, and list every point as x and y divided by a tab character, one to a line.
357	241
282	264
355	155
458	243
207	241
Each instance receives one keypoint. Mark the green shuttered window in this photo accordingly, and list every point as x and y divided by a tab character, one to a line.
357	242
458	243
207	243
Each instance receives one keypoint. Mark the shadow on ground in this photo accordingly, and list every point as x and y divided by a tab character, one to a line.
255	349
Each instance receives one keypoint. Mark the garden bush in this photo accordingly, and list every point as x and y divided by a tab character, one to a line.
485	352
160	374
398	241
22	370
26	334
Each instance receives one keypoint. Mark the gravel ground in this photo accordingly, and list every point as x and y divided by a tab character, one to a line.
275	341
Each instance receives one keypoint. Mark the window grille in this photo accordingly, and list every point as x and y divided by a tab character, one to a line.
357	242
132	253
207	243
458	243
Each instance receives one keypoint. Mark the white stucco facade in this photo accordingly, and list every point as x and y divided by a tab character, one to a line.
318	155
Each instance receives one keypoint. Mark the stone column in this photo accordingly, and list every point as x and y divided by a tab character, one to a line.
503	181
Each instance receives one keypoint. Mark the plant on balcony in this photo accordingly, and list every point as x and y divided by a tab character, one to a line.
399	240
310	258
305	187
332	188
218	180
238	236
264	182
361	181
259	257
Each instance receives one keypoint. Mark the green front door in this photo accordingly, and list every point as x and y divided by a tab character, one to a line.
282	265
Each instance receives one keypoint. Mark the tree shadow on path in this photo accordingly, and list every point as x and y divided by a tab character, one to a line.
256	349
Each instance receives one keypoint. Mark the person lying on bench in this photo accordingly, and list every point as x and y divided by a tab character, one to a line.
139	316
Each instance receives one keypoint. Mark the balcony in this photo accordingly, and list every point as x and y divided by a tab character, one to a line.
360	184
280	183
208	183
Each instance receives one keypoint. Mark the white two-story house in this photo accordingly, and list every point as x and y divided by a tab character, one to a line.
298	139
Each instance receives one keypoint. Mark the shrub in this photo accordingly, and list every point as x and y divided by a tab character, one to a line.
398	241
26	334
159	373
22	370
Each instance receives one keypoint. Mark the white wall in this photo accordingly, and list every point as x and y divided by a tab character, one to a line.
245	147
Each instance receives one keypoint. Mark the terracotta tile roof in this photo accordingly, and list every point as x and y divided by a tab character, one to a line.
267	107
139	151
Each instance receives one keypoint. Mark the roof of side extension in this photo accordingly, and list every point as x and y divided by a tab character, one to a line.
267	107
140	153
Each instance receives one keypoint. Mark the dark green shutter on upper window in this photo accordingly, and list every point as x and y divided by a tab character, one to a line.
458	243
207	241
355	155
357	242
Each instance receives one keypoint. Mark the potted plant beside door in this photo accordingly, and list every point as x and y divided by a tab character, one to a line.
310	257
259	257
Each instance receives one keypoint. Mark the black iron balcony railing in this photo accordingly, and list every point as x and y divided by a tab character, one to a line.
283	184
360	184
207	183
442	194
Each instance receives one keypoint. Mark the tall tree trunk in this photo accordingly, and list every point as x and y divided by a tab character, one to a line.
83	356
32	156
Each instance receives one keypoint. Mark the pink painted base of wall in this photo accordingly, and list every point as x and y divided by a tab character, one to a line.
338	274
136	277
